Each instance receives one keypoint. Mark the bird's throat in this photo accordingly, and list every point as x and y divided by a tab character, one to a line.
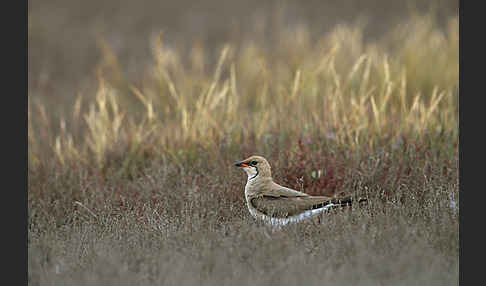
252	172
255	174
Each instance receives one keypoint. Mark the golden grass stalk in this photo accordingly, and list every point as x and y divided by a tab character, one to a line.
358	93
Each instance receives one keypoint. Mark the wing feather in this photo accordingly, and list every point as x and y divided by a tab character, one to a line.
278	201
289	206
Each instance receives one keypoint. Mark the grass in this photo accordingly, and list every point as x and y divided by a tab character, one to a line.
192	227
133	183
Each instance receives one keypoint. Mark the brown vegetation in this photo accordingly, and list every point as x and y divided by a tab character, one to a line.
133	183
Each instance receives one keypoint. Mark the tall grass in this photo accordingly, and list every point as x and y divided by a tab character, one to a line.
405	84
133	184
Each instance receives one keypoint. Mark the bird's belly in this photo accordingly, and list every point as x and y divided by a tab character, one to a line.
291	219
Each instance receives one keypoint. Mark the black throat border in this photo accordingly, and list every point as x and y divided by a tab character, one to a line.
255	174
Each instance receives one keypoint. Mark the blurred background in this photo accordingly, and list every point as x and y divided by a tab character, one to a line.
105	77
64	46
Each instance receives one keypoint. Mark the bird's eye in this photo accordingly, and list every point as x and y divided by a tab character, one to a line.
253	163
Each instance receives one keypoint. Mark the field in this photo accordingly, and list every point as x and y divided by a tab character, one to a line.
130	174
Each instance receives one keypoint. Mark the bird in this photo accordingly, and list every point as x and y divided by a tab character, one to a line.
278	205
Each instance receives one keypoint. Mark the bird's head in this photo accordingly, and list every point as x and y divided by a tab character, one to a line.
255	167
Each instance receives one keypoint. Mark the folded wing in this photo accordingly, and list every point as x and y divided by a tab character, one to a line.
283	207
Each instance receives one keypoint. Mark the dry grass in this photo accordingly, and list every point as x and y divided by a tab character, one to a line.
133	184
337	86
190	226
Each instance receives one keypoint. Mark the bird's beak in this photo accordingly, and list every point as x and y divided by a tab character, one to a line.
241	164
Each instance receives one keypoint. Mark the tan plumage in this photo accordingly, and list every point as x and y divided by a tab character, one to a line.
276	204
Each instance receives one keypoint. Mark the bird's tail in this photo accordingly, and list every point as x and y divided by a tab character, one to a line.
349	201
